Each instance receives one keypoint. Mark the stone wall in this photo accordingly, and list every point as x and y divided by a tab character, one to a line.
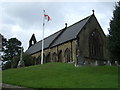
71	45
36	55
83	39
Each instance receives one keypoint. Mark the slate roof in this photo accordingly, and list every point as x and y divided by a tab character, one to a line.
71	32
60	37
47	41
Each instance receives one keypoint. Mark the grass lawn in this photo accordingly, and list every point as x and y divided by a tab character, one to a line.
0	76
62	75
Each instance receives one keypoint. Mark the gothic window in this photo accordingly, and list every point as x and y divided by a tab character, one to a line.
33	42
44	58
54	57
95	45
67	55
34	59
38	60
48	58
60	56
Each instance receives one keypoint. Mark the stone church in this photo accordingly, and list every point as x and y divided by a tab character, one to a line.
82	43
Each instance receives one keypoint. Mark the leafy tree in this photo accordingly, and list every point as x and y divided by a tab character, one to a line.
12	49
4	43
114	35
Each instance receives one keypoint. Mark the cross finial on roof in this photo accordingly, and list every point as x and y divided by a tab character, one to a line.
93	11
66	25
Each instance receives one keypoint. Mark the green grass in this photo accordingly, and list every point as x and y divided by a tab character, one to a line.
0	76
61	75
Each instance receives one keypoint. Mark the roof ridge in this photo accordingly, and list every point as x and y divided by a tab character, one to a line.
69	27
49	36
60	32
46	38
80	21
64	28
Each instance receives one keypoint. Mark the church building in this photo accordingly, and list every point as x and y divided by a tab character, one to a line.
82	43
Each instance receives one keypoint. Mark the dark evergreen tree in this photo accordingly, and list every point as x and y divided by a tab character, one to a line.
4	43
114	35
12	49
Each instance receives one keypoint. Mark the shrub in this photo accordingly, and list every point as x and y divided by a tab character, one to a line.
28	60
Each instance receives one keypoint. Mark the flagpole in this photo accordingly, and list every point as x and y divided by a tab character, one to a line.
21	54
43	38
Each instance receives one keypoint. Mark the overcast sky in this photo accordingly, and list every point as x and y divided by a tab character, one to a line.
22	19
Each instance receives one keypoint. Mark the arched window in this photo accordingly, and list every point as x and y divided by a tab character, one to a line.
95	45
60	56
48	57
38	60
67	55
44	58
54	57
34	59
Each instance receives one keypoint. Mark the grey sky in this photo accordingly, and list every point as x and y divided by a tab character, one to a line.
22	19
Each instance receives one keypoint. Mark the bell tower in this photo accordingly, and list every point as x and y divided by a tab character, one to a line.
32	40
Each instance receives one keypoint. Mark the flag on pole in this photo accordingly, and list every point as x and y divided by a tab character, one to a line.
47	17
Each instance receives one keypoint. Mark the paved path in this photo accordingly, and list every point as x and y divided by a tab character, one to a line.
13	87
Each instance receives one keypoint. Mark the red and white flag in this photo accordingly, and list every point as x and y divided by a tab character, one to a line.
47	17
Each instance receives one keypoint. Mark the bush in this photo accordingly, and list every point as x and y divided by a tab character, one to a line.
15	61
28	60
7	65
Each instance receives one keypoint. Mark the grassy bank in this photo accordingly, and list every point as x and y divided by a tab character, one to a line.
61	75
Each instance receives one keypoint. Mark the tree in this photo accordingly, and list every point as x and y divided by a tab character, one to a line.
4	43
114	35
12	49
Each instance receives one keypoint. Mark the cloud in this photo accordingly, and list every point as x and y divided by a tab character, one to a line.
22	19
